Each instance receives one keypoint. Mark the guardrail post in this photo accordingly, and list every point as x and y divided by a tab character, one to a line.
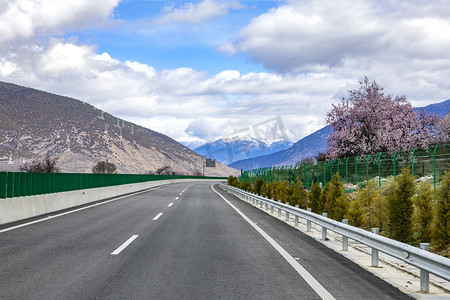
272	207
344	238
324	229
296	218
287	213
375	251
279	210
424	275
267	205
260	204
308	222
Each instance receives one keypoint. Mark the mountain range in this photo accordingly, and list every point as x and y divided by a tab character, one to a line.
313	144
34	123
229	150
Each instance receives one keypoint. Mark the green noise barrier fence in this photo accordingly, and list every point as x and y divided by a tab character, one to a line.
430	163
18	184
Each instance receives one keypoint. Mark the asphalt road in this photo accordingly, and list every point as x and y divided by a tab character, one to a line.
181	241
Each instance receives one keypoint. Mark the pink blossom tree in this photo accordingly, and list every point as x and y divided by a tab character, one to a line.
369	122
443	130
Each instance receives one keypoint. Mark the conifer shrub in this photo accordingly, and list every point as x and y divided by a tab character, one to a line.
258	185
246	186
356	213
373	204
291	194
282	191
442	220
335	199
315	199
301	194
233	181
400	206
423	213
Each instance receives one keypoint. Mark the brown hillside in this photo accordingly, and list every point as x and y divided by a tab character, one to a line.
35	123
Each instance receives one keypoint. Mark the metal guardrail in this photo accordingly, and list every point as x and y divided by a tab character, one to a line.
427	262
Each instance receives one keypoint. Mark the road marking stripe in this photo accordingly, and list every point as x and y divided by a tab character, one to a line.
310	280
75	210
124	245
157	216
170	204
176	198
181	194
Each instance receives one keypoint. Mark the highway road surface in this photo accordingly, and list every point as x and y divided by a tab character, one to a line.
180	241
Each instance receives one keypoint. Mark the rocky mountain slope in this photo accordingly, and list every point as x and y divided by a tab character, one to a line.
313	144
35	123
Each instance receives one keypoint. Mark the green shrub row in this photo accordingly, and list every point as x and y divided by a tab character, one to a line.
404	209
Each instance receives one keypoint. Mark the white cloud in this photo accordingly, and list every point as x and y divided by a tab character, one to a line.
27	18
196	12
402	44
226	101
315	48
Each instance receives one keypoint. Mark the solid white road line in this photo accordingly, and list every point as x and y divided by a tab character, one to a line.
170	205
310	280
157	216
75	210
124	245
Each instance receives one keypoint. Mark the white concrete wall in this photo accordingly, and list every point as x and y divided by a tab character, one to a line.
19	208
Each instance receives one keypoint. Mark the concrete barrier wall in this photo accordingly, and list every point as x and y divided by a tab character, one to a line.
19	208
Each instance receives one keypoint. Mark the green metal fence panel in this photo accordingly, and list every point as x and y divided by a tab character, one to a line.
379	167
10	185
16	184
3	185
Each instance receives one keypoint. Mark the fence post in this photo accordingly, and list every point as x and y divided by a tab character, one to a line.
379	170
356	170
367	169
344	238
346	170
324	229
424	275
374	251
395	155
317	176
338	163
412	162
308	222
434	166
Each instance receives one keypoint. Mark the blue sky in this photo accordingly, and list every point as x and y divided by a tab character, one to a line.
198	70
180	44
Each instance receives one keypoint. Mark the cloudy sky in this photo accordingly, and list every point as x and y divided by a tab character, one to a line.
199	70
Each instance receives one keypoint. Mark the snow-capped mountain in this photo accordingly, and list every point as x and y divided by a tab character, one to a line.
228	150
312	144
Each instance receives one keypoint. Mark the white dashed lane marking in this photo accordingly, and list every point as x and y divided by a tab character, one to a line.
157	216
